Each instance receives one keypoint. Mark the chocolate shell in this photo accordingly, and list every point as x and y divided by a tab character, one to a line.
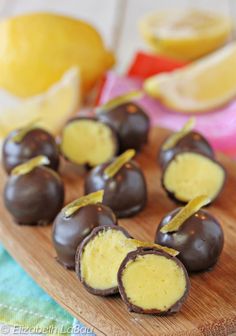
101	257
199	240
159	278
35	142
68	232
125	193
130	122
34	198
191	142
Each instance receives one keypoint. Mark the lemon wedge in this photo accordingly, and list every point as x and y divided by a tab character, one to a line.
185	34
201	86
51	108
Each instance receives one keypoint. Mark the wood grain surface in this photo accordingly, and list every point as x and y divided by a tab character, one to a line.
211	306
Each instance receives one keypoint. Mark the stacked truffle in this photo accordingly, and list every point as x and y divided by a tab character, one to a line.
34	192
86	235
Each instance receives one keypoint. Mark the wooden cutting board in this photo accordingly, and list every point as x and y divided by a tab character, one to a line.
211	306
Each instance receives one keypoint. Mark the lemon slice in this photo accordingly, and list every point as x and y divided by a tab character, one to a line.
185	34
52	108
205	84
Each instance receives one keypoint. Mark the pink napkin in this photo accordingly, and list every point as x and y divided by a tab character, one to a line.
219	126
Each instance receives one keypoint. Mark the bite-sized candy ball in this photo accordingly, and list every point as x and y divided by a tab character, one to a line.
124	185
24	144
199	240
151	281
34	194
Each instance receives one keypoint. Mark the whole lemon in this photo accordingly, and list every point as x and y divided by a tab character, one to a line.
37	49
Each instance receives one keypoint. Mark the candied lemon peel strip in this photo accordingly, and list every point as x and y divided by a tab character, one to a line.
92	198
190	209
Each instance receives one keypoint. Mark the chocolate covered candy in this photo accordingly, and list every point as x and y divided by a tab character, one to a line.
25	143
34	194
152	282
99	257
195	233
123	182
75	222
128	119
87	141
184	140
190	174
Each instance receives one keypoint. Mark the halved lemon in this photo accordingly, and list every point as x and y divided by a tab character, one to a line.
185	34
201	86
51	108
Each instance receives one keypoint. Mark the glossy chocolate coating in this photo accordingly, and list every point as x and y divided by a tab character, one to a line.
34	198
132	307
199	240
130	122
125	193
78	257
69	232
191	142
36	142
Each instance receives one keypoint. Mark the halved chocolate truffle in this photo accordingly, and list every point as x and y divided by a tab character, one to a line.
69	230
190	174
198	237
184	140
87	141
123	182
98	259
129	120
100	254
34	194
152	282
23	144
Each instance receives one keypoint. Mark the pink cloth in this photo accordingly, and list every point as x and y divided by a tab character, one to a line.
218	126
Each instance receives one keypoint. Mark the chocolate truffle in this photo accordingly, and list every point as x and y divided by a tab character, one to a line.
130	122
152	282
123	182
199	239
26	143
34	194
68	232
98	259
87	141
190	174
104	249
184	140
